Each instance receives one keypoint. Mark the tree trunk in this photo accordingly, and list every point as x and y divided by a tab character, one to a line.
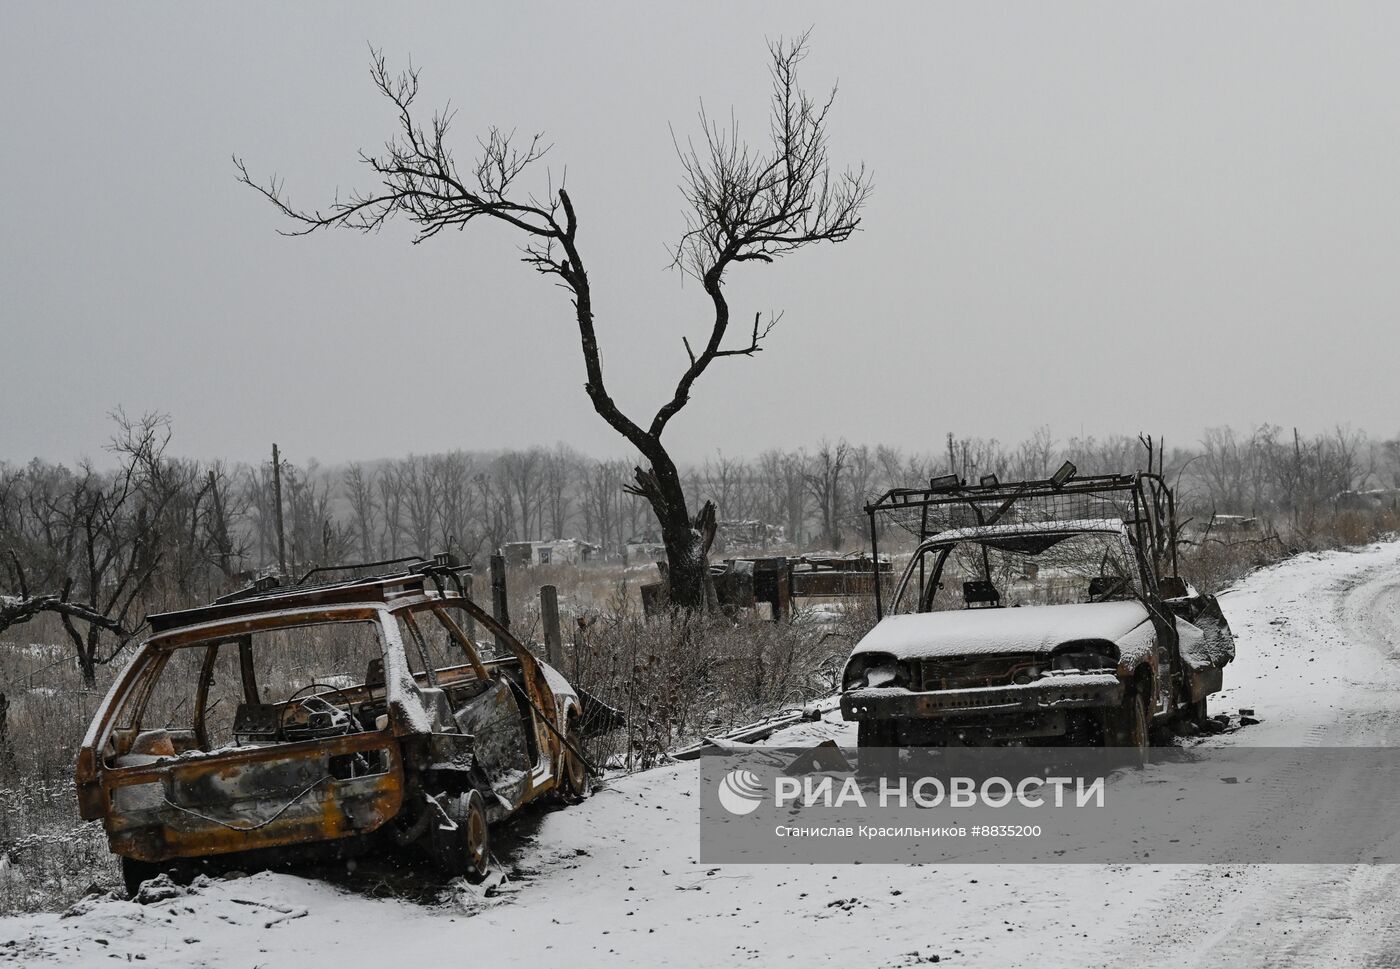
6	755
687	542
87	658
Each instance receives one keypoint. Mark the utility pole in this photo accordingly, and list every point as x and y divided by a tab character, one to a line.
277	499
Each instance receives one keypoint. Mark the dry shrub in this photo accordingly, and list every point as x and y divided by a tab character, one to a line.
677	679
48	857
1217	562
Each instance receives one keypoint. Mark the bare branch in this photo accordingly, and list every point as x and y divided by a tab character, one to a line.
419	179
15	610
745	205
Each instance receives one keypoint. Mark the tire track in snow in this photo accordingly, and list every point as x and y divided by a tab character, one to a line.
1298	915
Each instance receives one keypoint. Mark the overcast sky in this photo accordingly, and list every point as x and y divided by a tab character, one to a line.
1102	217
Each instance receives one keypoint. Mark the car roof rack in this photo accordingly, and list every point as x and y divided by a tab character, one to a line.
272	590
1142	501
950	502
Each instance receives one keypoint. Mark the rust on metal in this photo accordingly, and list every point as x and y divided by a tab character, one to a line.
335	762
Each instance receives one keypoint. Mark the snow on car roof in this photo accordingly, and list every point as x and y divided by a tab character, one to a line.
1026	528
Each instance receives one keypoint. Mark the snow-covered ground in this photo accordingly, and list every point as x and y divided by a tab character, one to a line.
615	881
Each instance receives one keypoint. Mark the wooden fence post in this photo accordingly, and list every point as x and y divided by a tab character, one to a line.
500	607
580	643
549	618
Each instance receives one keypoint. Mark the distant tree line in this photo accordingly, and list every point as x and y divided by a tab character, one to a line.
98	546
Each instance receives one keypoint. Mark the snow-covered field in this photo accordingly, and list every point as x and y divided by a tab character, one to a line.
615	881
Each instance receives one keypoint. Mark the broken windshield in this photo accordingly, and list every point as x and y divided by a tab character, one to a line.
1019	569
252	688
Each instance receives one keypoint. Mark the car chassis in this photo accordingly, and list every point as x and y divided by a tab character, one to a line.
1107	670
404	755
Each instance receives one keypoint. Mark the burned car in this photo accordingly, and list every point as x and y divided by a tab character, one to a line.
335	717
1034	612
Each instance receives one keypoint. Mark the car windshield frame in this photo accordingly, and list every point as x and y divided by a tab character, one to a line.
131	695
926	580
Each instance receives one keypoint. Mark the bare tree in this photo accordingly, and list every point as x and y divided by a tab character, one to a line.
860	482
258	498
558	476
1222	466
785	490
520	470
391	509
108	544
496	506
457	528
744	205
420	497
1035	456
227	507
15	610
1391	451
602	502
823	479
359	490
726	480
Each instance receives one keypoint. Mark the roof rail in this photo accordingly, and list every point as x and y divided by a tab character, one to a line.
441	563
442	569
358	565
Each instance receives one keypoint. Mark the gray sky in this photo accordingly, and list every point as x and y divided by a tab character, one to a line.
1062	190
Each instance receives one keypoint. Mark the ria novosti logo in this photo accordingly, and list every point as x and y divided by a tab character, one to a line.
741	792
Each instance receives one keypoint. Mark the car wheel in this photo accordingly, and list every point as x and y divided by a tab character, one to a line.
134	873
574	781
875	733
467	850
879	755
1128	726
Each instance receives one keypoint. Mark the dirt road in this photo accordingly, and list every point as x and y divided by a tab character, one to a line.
1324	665
616	882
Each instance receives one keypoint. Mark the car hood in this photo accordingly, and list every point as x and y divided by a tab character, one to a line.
1028	629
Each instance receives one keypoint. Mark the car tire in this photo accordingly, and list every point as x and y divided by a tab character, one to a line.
1128	726
1198	712
878	755
465	851
875	733
134	873
574	780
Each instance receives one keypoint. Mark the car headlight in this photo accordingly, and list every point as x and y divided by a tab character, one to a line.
870	670
1082	661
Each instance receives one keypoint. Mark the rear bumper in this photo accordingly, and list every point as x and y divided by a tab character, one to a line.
1048	694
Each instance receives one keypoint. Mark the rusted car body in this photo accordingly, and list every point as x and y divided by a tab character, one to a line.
1043	611
224	740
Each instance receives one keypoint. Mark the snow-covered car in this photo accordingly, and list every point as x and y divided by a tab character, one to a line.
1014	622
279	720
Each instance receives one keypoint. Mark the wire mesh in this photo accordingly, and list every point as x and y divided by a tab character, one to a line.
927	513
